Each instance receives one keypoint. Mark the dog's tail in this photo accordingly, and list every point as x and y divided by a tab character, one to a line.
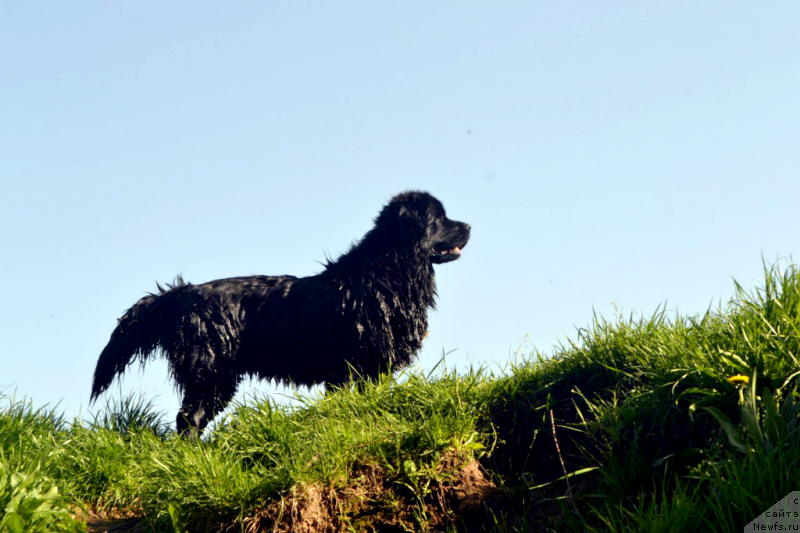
146	328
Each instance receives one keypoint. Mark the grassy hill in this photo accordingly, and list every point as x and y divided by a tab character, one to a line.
639	424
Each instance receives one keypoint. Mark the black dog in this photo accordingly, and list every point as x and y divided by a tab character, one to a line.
366	313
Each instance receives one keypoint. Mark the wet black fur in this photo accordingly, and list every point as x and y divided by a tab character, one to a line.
367	310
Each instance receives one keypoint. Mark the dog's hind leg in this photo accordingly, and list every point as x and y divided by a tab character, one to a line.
192	417
203	401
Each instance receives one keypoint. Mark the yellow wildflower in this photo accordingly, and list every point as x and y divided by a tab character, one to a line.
738	379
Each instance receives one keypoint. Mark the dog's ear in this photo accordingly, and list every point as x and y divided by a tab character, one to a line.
412	215
408	214
405	216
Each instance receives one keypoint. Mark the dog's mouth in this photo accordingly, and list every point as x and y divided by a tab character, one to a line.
443	253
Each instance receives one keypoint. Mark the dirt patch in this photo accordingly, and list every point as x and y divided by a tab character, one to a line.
469	489
372	501
309	510
114	521
129	525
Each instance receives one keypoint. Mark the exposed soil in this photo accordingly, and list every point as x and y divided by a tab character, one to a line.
113	521
372	503
128	525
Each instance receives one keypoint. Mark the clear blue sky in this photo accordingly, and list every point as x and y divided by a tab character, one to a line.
628	152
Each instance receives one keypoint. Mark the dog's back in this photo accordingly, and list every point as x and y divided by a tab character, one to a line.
192	325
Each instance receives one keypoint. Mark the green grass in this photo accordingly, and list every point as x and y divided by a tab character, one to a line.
639	411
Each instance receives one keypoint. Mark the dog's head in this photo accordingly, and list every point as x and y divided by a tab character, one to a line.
420	218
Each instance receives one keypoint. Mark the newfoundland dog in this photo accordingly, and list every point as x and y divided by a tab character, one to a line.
365	313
